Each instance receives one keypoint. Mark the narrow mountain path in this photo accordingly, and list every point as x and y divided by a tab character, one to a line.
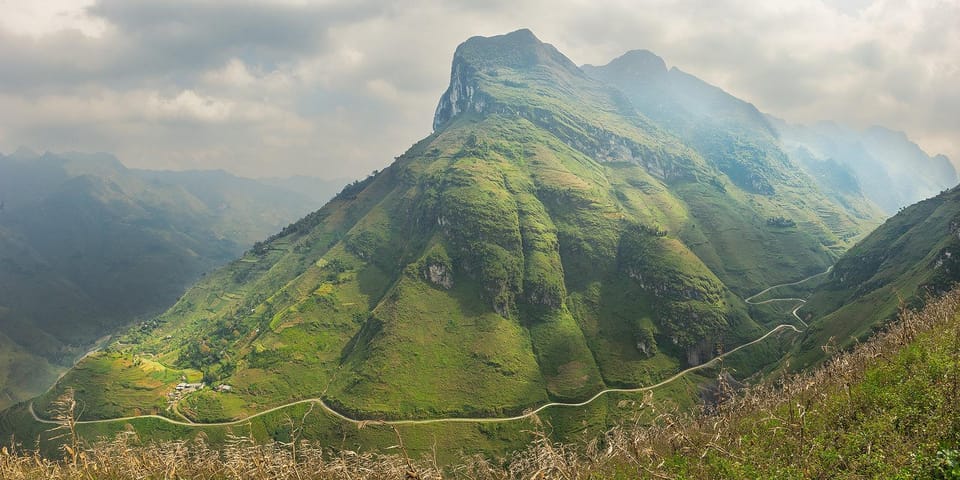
525	415
798	282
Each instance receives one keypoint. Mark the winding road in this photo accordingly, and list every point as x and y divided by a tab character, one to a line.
788	299
528	414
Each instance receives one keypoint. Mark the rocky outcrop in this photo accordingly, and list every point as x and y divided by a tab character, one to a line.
546	295
463	95
700	352
471	77
955	227
646	342
439	275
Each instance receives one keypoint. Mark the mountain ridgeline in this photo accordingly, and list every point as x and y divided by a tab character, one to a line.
562	230
861	171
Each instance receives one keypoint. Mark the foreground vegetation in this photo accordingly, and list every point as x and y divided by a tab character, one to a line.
886	409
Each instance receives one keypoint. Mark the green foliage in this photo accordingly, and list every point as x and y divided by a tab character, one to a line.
198	355
945	466
781	222
364	244
646	342
349	192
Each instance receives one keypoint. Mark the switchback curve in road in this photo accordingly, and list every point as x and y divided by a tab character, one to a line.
801	301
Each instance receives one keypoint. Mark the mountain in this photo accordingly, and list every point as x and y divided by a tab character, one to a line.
87	245
547	240
742	141
914	255
890	169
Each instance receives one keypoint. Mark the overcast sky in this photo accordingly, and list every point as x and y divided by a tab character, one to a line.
338	88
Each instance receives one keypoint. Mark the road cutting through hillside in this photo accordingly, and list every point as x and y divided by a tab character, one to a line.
528	414
788	299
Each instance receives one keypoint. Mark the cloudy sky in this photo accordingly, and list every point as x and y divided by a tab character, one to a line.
337	88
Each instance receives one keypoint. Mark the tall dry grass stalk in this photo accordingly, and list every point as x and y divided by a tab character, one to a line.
241	458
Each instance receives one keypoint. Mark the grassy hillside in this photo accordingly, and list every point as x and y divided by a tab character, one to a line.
87	245
906	259
737	138
887	409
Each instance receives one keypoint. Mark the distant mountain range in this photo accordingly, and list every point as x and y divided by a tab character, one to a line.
87	245
884	165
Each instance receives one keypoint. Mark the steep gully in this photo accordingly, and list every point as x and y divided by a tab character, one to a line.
528	414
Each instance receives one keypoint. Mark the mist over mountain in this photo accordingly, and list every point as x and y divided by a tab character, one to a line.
859	170
89	245
318	190
890	169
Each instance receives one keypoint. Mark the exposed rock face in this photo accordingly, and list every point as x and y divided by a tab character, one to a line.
955	228
475	69
645	342
544	295
944	257
700	352
439	275
461	96
502	300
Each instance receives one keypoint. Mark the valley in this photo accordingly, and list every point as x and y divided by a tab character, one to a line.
88	246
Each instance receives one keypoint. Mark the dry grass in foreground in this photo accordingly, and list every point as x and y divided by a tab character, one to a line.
890	408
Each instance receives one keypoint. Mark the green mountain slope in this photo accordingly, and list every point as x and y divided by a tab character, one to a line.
915	254
547	240
733	135
87	245
886	409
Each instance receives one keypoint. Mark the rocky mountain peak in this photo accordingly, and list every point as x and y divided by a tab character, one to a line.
501	58
636	64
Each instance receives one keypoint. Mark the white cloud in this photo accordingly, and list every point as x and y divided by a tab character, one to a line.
187	106
233	74
340	88
37	18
